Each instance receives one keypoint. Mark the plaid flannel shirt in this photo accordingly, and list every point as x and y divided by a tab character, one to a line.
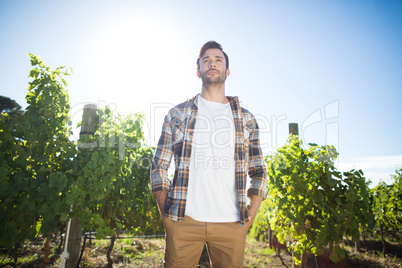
176	140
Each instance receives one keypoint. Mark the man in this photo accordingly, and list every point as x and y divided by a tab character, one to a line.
215	143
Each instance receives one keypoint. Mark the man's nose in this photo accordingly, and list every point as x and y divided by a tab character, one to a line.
212	64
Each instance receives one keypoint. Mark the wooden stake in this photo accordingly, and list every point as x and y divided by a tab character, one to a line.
294	129
74	240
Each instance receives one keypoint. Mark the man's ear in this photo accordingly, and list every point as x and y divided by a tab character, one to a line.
198	74
227	72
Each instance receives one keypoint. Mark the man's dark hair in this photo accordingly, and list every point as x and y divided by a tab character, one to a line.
208	45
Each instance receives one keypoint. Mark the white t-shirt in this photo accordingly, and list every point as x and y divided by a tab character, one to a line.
212	194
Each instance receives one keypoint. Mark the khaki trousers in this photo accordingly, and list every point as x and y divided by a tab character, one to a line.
185	241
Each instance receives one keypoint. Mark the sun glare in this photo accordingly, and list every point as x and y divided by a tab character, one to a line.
135	58
137	65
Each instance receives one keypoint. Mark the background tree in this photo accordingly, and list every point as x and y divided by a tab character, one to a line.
9	106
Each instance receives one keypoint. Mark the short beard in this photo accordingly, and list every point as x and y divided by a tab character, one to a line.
213	80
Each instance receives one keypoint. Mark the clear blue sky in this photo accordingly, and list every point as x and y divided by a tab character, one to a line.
334	67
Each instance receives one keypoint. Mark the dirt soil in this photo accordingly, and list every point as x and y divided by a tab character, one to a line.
149	253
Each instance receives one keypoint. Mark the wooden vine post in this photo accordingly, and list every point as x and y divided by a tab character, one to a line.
74	240
293	129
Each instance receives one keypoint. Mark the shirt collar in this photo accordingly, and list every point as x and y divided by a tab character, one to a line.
234	100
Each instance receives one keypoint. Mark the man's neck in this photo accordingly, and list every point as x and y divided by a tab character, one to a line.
214	93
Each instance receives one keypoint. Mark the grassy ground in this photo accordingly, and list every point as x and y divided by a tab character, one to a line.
149	253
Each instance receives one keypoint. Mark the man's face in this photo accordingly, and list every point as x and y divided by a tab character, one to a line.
213	67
